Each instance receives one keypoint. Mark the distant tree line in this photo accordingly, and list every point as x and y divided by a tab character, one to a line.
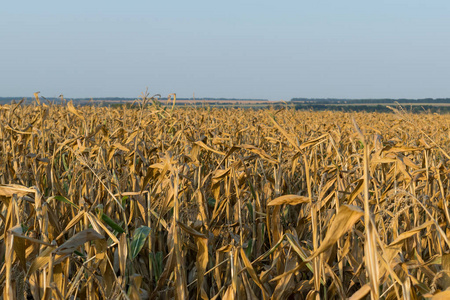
373	108
165	98
368	101
230	99
5	100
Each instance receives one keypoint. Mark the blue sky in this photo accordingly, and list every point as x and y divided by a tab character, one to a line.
243	49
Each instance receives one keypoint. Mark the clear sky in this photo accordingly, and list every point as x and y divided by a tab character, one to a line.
244	49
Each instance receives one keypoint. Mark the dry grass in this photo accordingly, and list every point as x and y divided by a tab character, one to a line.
222	204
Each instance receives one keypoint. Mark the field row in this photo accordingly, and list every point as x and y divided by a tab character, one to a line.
209	203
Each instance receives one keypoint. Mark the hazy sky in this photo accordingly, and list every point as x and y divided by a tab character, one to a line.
243	49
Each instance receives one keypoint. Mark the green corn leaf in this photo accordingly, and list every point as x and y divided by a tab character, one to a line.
138	241
112	224
65	200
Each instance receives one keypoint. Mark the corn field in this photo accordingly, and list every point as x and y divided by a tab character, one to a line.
153	202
